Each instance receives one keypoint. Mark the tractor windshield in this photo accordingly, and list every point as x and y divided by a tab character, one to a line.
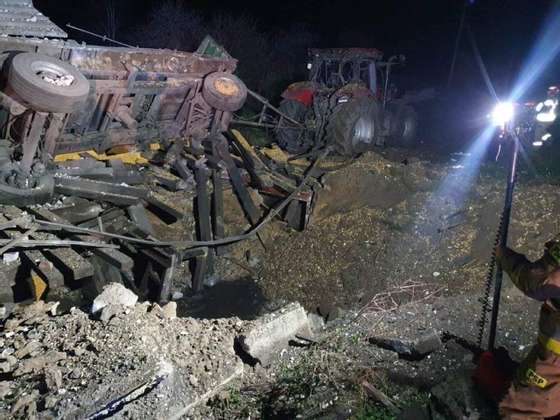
335	73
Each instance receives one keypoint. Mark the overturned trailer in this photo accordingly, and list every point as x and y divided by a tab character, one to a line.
59	97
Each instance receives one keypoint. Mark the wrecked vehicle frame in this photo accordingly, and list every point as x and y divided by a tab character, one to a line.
172	104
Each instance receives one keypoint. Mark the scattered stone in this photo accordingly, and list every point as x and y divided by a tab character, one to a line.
170	310
273	332
53	379
29	348
157	310
177	296
38	309
38	363
114	294
427	343
109	312
5	389
27	402
51	401
193	380
5	367
6	352
53	308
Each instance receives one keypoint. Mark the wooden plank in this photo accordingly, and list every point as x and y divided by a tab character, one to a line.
36	260
112	256
68	261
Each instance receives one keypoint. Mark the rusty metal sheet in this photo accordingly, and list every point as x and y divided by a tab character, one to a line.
20	18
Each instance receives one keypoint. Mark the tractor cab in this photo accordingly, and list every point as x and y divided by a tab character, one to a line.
338	67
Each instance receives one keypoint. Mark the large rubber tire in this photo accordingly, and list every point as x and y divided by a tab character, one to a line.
353	126
404	126
39	192
224	91
293	140
24	78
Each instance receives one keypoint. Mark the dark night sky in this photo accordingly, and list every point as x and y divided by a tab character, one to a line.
424	30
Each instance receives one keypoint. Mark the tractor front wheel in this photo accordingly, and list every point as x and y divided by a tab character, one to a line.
353	126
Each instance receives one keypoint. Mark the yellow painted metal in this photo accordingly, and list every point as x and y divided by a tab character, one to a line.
133	158
64	157
38	286
550	344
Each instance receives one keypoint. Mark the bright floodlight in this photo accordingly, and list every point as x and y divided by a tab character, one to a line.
502	114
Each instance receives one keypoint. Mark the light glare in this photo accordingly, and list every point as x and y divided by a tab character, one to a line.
503	113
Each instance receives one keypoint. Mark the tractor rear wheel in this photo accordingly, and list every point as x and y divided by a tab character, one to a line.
353	126
404	126
294	140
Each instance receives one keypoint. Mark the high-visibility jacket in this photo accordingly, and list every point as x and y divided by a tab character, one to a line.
539	280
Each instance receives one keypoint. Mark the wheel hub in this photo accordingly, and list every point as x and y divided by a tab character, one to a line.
363	131
226	87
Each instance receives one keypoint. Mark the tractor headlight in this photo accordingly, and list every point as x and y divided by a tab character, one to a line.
502	114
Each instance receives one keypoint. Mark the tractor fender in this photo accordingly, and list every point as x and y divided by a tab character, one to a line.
301	91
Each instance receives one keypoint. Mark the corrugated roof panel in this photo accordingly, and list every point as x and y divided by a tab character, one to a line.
20	18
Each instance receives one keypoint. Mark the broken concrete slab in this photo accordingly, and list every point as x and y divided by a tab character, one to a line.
316	323
114	294
274	332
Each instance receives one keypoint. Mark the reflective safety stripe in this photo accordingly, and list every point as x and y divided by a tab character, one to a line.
534	378
550	344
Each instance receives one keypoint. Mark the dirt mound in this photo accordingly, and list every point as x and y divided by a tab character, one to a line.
381	223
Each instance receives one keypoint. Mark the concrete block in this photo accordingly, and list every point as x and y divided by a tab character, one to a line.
273	332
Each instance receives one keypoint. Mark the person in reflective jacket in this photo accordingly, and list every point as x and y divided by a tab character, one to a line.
535	390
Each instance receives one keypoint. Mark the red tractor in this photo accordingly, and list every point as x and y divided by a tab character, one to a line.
348	103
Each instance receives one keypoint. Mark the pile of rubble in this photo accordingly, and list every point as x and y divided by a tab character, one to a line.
74	366
148	219
134	359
